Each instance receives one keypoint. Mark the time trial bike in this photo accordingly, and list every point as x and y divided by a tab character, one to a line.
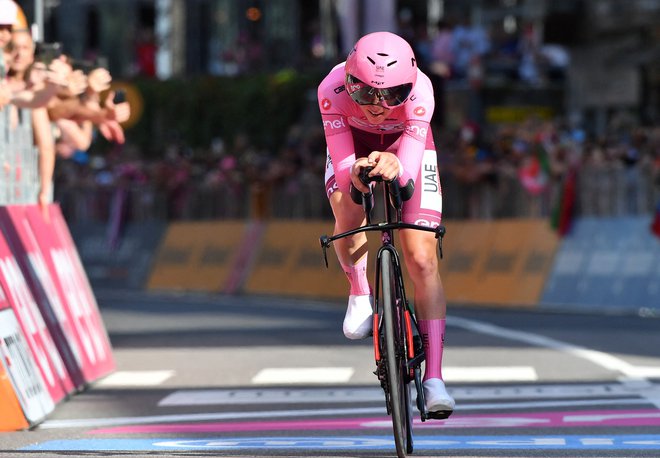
398	348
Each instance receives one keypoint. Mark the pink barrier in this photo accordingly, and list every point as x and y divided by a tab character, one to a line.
54	238
18	365
49	261
39	339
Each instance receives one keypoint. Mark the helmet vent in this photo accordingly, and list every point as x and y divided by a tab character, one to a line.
373	62
392	63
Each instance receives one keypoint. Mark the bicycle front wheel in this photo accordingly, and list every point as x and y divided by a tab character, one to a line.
399	396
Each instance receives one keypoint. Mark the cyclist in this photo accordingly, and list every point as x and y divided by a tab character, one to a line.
376	110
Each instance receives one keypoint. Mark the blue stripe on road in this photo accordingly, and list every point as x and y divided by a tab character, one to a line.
540	442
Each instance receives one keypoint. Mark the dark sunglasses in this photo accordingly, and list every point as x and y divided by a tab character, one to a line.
363	94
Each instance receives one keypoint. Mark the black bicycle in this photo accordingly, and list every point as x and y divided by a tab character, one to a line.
398	346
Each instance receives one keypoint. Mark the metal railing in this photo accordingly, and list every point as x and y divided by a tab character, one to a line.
611	191
19	174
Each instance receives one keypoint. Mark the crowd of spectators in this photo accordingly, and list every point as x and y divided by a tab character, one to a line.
521	170
534	168
48	106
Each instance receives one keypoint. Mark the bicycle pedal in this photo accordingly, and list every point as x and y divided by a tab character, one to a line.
439	414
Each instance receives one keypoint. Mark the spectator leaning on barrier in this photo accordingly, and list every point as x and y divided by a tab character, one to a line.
9	15
12	20
21	61
53	75
8	10
77	106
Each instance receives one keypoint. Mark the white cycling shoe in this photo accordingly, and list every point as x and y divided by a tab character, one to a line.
438	402
358	320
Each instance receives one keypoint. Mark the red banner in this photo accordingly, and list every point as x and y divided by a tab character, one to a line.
39	340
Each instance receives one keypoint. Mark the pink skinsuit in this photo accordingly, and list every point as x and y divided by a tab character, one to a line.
406	132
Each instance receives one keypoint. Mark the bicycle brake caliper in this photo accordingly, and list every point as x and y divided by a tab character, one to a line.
324	245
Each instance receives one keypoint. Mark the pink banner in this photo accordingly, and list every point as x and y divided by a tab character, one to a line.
63	298
61	257
39	340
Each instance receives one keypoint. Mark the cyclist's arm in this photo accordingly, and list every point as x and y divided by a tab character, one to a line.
418	114
342	152
411	149
334	105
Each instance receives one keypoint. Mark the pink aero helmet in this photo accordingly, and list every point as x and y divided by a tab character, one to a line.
381	69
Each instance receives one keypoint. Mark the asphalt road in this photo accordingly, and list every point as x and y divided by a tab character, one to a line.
201	375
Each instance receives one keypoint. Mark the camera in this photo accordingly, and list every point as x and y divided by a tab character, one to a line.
47	52
120	96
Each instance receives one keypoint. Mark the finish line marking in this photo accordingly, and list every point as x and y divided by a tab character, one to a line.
527	442
223	416
571	419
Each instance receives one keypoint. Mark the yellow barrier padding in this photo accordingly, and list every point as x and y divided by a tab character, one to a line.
502	262
290	262
197	256
464	252
11	414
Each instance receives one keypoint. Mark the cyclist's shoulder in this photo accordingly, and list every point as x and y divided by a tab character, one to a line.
421	103
333	83
332	96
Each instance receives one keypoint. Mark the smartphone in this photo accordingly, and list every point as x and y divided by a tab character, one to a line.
120	96
47	52
85	66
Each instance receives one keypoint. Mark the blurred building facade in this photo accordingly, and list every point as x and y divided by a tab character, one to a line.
610	48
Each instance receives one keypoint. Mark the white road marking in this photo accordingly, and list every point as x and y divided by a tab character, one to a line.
135	378
489	374
272	396
599	358
303	375
331	375
634	384
248	396
630	373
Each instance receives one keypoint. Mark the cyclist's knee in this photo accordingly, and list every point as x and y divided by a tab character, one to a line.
345	210
421	262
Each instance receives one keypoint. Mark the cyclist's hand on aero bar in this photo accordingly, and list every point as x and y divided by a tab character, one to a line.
384	164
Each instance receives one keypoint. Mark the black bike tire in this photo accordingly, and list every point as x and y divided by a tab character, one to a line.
398	396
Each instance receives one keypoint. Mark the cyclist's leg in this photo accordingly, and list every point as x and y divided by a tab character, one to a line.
352	255
420	254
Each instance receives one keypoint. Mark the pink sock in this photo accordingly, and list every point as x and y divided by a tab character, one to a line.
433	338
357	277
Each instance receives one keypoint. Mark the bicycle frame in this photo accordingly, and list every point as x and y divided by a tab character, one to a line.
392	222
412	348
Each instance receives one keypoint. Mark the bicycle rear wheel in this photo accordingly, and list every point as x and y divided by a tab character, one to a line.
399	395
